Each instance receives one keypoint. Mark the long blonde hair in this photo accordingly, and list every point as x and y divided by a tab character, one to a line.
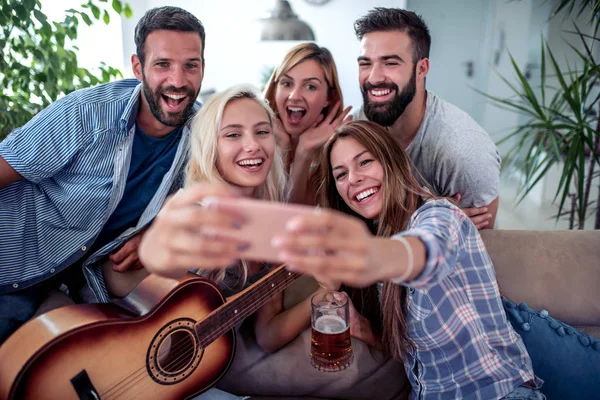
402	196
297	55
202	163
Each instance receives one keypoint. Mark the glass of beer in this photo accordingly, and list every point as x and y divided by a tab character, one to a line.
331	348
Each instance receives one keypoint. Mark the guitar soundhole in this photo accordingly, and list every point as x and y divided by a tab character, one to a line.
174	353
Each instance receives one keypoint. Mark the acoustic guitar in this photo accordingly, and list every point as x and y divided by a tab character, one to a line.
167	339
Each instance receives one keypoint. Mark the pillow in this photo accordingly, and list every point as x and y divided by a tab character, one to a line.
566	359
288	373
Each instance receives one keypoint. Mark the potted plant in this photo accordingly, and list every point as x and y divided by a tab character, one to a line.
562	123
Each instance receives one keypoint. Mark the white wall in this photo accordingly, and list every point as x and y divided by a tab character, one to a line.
514	19
97	43
232	54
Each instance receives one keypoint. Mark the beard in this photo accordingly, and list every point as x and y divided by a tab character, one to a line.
174	119
386	113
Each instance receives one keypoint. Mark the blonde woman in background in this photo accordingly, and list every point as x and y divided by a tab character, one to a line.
305	94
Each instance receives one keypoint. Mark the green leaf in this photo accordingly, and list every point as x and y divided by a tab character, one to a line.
38	54
106	17
95	11
128	11
21	11
29	5
60	40
86	18
116	5
543	72
40	16
46	29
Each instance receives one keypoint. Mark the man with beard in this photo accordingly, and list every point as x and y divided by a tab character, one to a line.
80	182
451	152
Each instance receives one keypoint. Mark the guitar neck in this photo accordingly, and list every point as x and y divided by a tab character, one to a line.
248	301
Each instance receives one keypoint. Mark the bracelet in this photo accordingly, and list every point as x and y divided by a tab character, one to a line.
409	254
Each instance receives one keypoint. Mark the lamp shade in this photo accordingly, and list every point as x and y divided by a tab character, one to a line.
283	24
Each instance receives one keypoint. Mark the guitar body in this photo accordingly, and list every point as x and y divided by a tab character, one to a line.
143	346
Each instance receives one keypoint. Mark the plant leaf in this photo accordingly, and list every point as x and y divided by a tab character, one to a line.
116	5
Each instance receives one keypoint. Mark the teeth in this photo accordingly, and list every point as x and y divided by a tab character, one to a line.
256	161
175	96
380	92
296	109
363	195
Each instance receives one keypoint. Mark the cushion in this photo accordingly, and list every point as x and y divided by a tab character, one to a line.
551	270
288	373
566	359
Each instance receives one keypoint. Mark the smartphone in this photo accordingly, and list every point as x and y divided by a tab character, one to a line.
264	221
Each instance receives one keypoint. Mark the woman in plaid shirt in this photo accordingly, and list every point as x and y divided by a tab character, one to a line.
441	308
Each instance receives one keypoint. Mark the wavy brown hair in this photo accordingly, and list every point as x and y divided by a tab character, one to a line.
402	195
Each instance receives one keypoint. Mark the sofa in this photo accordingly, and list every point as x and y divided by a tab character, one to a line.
555	273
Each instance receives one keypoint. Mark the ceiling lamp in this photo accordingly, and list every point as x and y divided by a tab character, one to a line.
283	24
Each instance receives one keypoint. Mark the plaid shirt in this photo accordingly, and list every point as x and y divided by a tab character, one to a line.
464	346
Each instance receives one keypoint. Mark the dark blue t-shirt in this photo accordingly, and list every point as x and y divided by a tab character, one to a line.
151	158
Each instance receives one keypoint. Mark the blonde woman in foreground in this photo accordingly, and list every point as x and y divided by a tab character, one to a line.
233	153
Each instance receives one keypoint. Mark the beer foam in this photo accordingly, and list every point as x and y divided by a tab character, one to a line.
330	324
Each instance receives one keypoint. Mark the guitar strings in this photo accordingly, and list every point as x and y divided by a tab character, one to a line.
184	356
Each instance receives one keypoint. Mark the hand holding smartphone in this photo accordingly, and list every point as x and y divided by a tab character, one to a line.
263	221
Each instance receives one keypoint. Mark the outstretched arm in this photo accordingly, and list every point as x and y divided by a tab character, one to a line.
334	247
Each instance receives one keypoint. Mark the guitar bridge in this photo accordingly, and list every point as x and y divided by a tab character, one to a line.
84	387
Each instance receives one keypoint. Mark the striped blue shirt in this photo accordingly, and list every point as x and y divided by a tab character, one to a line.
465	348
74	157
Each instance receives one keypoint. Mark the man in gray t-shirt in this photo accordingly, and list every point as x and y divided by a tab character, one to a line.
451	152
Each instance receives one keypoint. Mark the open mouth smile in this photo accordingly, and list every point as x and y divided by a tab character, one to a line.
251	164
174	102
295	114
380	94
365	195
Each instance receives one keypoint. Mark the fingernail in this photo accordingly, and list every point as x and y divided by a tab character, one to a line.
290	267
484	209
208	232
243	247
290	226
276	241
209	202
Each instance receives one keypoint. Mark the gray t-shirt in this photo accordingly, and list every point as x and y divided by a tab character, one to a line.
454	154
